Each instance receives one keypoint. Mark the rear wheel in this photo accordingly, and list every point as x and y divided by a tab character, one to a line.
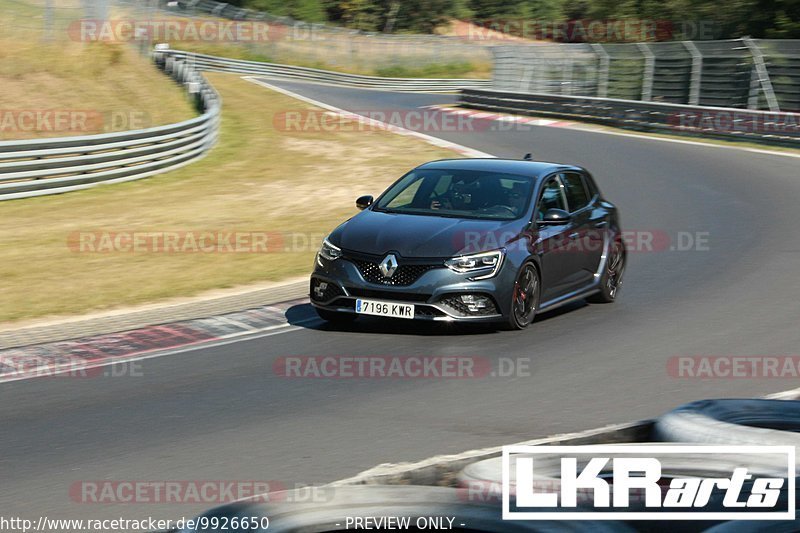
525	297
611	279
335	316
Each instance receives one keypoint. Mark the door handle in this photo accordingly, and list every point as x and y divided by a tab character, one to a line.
601	224
574	235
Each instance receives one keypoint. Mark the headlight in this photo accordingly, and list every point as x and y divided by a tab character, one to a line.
329	252
485	264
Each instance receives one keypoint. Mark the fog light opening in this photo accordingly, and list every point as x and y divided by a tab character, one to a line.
475	302
319	290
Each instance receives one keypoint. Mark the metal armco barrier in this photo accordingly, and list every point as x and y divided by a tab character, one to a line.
278	71
714	122
38	167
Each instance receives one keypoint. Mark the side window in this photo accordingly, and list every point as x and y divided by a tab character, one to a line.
552	198
577	195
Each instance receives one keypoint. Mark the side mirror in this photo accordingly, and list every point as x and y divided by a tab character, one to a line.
555	217
364	202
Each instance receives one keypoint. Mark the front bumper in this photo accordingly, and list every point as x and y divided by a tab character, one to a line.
435	294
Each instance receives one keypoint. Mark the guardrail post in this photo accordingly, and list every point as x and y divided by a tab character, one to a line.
649	71
525	80
495	70
763	75
602	72
697	72
566	84
755	89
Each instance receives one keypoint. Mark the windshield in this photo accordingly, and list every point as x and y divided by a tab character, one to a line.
459	194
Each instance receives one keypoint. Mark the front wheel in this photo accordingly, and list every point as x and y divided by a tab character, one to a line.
335	316
611	279
525	298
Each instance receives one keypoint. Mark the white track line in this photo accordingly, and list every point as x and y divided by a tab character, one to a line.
202	345
461	149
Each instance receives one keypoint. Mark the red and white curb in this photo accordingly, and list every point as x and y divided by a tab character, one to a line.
80	356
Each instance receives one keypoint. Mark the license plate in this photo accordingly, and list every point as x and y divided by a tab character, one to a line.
377	308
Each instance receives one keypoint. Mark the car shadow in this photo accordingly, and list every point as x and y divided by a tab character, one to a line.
304	316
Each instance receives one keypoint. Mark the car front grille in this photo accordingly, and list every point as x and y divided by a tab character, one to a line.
408	270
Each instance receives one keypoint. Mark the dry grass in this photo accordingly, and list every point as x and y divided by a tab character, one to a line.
257	179
325	50
112	83
369	60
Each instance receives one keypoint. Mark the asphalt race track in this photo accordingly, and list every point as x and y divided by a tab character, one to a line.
222	414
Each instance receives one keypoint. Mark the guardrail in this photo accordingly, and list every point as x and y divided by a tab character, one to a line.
51	166
714	122
290	72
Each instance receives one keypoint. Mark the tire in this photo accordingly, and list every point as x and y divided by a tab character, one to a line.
293	511
524	298
335	317
611	279
743	422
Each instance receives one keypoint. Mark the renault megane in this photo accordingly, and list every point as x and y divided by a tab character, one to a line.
473	240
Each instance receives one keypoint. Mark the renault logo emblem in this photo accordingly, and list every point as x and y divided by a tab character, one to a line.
388	266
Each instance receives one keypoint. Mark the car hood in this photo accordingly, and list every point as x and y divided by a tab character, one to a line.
378	233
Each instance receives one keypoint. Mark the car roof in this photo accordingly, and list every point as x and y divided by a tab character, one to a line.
510	166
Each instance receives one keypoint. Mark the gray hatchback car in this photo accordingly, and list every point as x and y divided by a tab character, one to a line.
473	240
